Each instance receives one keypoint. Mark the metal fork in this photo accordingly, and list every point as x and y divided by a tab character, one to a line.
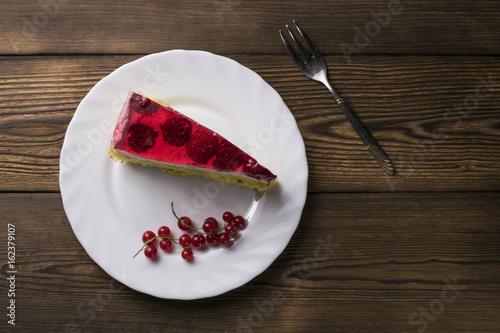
314	67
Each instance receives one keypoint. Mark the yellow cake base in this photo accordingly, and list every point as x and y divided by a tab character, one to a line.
261	187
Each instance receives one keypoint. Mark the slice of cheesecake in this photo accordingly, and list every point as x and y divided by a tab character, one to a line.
153	134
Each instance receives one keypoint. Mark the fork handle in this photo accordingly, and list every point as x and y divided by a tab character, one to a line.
370	143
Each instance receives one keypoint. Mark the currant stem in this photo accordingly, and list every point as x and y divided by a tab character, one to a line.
173	211
176	242
223	227
189	226
159	236
142	248
178	219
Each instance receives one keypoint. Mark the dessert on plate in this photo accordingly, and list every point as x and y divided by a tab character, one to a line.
152	134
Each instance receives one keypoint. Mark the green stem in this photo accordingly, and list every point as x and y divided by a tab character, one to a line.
152	239
223	227
176	242
186	225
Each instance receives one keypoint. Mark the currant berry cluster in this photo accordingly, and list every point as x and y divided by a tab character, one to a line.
210	233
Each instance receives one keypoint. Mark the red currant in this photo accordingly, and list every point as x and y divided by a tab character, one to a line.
166	244
230	229
212	234
198	240
212	239
184	223
228	217
223	238
212	220
209	227
150	251
187	254
185	240
239	222
164	231
148	235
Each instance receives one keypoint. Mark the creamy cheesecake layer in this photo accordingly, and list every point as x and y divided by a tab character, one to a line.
193	170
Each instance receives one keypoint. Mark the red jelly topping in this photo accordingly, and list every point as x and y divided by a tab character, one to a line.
202	145
228	156
141	137
176	131
143	104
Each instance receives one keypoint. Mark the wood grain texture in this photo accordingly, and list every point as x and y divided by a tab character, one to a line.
231	26
358	263
436	117
417	252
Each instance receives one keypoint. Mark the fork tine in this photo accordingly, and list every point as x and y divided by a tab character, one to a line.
306	38
290	49
302	50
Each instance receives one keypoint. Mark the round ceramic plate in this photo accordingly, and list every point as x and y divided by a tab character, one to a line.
110	204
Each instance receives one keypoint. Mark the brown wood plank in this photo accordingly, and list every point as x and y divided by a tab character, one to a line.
339	27
388	267
423	111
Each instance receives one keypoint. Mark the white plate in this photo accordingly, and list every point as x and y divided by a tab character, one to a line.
110	205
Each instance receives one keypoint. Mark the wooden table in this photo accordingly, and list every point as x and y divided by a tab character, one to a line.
414	252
